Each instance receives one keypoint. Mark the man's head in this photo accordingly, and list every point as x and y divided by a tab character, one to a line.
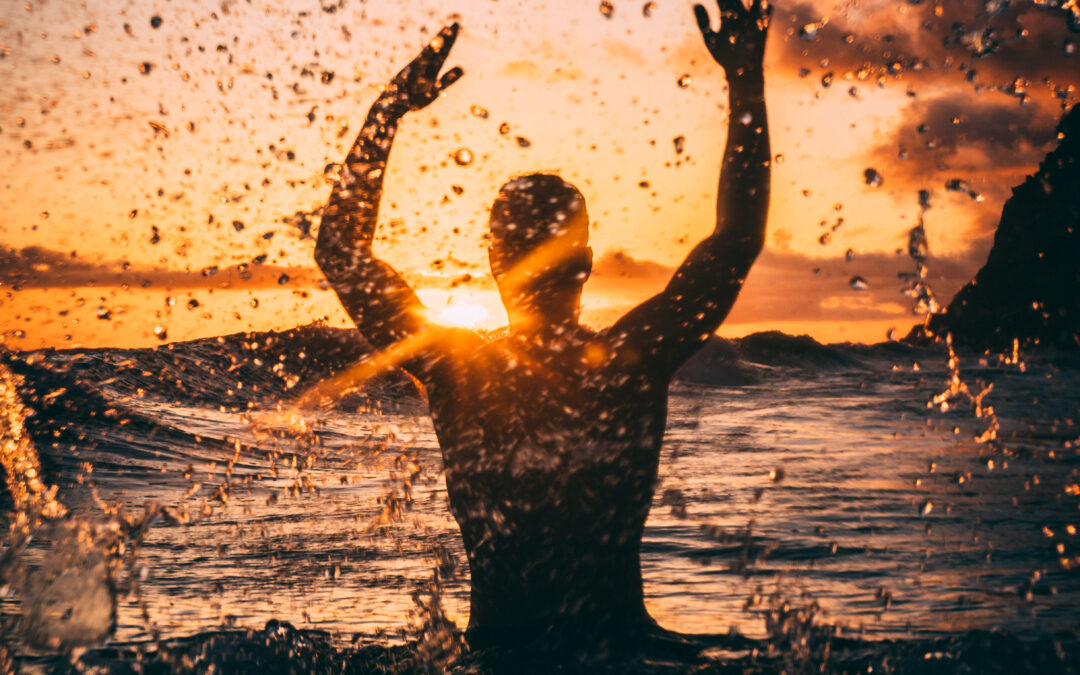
539	248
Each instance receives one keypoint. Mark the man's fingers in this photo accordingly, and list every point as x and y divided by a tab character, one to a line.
451	76
731	8
442	42
703	21
761	9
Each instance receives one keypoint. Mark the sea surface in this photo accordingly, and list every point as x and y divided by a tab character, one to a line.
811	498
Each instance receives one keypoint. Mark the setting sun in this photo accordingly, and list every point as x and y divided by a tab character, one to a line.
468	308
465	314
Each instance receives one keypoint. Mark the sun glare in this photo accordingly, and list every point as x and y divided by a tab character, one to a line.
465	314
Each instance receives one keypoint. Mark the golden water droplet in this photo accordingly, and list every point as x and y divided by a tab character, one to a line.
463	157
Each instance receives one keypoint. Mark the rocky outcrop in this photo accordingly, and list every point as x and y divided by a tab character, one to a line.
1029	288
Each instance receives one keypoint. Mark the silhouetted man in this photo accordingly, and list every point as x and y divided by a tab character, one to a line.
551	435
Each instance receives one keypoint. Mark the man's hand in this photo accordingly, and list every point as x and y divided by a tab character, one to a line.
418	84
739	45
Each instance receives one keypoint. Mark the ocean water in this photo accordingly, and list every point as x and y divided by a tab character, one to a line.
809	496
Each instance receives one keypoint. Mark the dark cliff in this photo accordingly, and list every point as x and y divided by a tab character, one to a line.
1029	288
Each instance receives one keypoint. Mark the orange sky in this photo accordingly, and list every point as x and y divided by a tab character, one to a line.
244	105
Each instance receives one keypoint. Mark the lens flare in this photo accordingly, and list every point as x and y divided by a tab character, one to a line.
464	314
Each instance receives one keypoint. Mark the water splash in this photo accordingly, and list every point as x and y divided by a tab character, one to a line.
34	501
926	304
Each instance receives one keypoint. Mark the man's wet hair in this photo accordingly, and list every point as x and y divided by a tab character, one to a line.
532	209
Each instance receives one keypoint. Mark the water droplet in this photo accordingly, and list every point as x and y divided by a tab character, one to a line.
779	159
523	142
826	79
1069	48
776	475
237	225
873	178
648	9
960	185
917	244
607	9
849	255
857	283
155	21
192	304
283	279
811	31
683	81
825	238
327	77
102	312
145	67
504	128
161	333
746	118
479	111
463	157
926	507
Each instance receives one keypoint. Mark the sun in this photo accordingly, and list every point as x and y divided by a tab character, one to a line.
467	314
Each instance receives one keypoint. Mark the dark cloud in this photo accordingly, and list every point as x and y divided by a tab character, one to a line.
958	137
1016	47
39	267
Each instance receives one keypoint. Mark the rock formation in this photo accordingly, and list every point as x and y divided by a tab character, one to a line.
1029	288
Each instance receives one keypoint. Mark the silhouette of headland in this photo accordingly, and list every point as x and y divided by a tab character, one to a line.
1029	288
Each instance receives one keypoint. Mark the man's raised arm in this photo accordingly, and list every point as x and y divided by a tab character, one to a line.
668	328
380	302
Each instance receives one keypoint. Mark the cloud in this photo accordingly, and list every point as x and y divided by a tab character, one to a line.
787	286
991	44
963	137
39	267
615	267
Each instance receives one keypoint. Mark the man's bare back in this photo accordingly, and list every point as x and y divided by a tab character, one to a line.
551	434
551	449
